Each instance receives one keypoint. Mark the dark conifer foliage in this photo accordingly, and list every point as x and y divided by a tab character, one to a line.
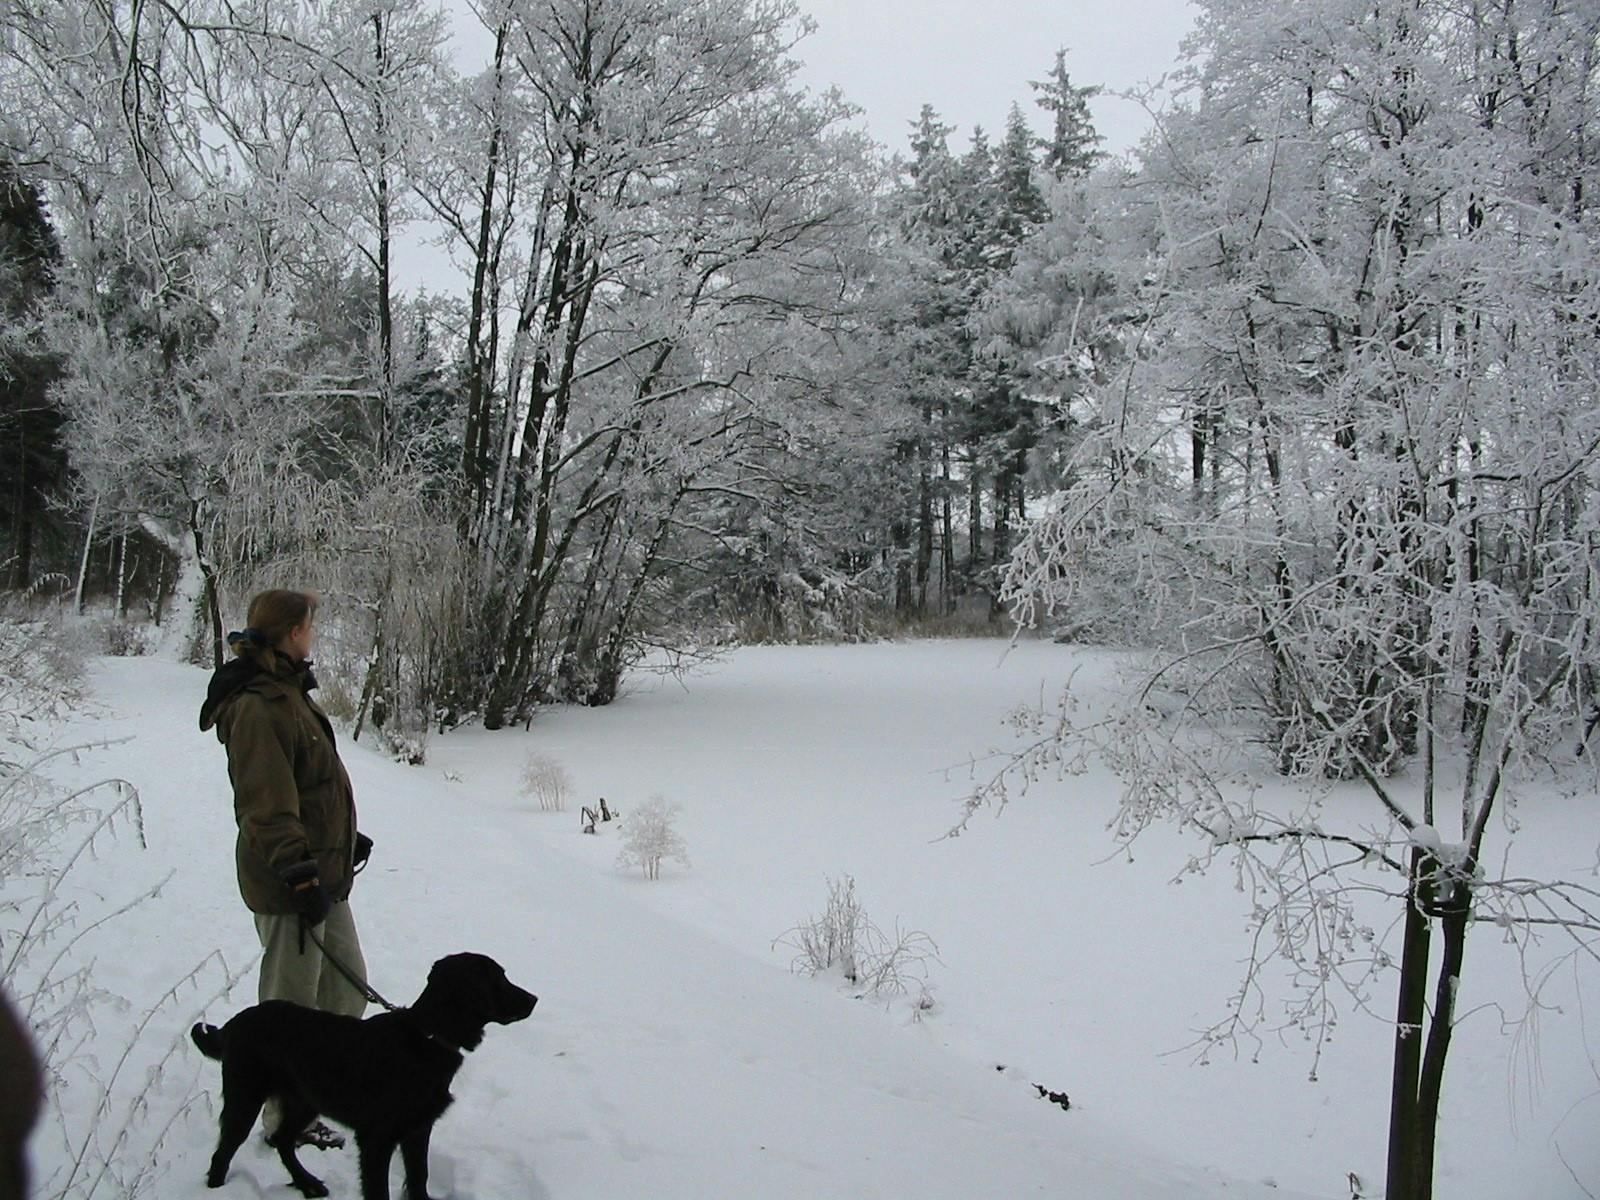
32	462
980	409
1070	150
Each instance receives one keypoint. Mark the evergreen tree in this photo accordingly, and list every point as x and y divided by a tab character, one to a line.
975	202
32	463
1019	204
931	166
978	426
935	346
1004	422
1070	149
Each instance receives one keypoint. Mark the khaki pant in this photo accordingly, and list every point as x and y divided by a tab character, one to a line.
306	976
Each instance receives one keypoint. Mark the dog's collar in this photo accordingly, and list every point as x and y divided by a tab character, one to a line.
437	1038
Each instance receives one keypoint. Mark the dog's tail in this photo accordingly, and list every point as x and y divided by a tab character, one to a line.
209	1039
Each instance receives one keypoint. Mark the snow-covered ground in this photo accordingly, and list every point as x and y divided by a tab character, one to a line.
673	1054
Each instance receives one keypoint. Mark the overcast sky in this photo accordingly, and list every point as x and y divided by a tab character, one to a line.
972	59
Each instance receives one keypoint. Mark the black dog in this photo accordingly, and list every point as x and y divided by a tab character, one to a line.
387	1077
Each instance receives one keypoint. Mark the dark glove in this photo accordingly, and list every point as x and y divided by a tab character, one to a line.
363	852
306	893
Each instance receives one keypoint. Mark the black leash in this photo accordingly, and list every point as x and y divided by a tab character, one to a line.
361	985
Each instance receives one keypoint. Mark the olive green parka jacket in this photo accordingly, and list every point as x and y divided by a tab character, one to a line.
292	798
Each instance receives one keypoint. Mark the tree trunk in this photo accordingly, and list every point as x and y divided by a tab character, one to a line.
900	553
1002	517
506	502
83	563
1404	1148
121	607
611	659
23	508
974	518
211	599
924	510
573	645
161	590
385	414
369	688
1454	927
947	542
475	443
511	682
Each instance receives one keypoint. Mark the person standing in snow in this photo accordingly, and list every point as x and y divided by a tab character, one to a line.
297	851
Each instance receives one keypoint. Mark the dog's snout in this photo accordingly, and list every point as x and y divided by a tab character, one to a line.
516	1004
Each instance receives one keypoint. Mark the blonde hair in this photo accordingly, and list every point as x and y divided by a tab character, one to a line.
271	616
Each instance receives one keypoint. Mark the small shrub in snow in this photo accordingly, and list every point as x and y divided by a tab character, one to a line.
844	938
409	747
648	837
40	669
122	639
830	940
547	781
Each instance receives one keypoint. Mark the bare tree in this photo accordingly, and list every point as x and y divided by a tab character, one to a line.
649	187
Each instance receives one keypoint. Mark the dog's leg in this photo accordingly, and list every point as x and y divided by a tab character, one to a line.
297	1114
236	1124
242	1098
376	1151
307	1183
414	1154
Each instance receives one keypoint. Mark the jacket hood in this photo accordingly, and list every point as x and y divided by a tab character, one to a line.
226	682
237	674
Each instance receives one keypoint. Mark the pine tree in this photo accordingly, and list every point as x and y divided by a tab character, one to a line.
934	343
32	463
1019	205
1070	149
974	201
1005	424
931	146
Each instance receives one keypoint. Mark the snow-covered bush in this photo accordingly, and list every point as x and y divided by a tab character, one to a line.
844	939
772	583
547	781
830	940
123	639
40	670
648	837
